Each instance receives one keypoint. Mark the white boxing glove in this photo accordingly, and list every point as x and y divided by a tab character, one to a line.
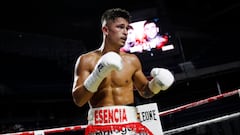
107	63
162	80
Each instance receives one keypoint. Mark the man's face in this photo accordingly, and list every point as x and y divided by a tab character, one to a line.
117	31
151	30
131	36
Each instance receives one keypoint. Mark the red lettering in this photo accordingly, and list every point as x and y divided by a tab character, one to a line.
96	117
124	115
110	116
115	115
105	116
100	116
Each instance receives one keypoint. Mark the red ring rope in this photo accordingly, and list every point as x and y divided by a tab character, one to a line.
204	101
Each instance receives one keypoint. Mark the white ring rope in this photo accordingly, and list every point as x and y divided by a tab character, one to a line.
184	107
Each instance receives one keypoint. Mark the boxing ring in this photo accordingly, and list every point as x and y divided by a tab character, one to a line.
161	114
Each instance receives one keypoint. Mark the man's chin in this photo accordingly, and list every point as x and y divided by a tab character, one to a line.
122	44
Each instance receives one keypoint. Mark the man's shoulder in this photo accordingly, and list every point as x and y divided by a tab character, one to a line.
130	56
88	56
127	54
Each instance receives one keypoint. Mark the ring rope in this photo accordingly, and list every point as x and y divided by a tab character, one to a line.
177	130
184	107
52	130
201	102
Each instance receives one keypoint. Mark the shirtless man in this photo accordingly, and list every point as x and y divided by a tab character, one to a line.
106	77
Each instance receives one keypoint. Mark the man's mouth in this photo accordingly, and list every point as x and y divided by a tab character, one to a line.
124	38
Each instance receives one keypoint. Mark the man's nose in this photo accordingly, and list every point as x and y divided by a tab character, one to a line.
125	32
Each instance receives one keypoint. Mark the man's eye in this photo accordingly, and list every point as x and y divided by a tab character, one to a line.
122	27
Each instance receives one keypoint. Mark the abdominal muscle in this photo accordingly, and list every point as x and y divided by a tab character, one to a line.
112	95
116	88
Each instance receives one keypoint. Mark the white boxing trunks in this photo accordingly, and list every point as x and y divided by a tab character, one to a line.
115	120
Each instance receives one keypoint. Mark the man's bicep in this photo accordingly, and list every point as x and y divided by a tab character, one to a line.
81	72
141	84
140	80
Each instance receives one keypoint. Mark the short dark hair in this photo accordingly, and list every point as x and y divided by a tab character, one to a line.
150	21
112	14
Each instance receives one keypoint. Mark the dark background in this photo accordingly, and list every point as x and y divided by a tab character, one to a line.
41	40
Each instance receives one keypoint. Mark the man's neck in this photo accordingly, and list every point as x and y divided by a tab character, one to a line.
104	49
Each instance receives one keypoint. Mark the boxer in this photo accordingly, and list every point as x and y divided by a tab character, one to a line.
106	78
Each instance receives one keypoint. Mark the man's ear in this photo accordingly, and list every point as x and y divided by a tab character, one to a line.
105	30
157	29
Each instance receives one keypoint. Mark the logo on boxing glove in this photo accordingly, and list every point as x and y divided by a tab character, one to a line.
99	67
